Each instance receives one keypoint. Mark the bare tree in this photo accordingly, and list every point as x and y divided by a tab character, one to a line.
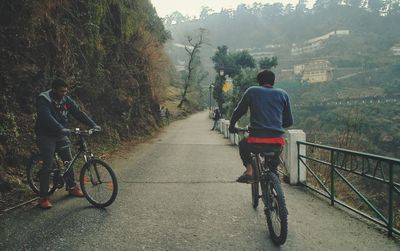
193	49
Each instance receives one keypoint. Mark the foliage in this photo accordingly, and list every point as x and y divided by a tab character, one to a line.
278	24
348	114
109	51
234	65
268	63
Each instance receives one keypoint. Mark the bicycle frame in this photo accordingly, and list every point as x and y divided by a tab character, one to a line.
262	168
263	171
83	150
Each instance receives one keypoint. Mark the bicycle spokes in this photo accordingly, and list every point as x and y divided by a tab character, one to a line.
99	183
274	210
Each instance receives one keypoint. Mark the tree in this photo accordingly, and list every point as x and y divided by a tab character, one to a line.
268	63
232	64
205	12
244	59
175	18
375	5
393	7
289	8
193	50
301	7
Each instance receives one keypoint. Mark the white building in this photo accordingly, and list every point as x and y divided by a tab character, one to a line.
396	50
316	71
316	43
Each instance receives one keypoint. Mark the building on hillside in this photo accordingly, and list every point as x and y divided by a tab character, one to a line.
298	69
316	71
316	43
396	49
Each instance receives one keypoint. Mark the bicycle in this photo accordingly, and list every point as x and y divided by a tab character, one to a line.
97	179
271	194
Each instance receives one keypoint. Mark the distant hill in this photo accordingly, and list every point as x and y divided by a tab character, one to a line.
273	29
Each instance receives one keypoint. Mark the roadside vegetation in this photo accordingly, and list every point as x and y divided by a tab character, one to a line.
112	55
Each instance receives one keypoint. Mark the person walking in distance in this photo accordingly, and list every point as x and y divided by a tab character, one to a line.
216	118
51	128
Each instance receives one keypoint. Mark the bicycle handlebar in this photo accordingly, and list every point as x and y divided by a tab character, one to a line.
78	131
242	129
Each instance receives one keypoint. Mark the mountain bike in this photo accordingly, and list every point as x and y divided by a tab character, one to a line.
271	194
97	179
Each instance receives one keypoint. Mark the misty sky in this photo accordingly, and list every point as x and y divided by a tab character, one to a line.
193	7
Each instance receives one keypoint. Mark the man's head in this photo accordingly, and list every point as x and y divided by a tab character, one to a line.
266	77
59	87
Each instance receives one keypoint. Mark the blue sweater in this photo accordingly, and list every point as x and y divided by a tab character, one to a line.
270	111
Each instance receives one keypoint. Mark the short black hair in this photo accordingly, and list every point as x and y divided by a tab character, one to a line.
266	77
57	83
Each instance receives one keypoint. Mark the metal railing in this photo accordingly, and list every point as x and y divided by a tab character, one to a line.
366	184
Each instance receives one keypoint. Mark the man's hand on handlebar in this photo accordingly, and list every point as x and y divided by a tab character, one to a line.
65	132
96	128
233	129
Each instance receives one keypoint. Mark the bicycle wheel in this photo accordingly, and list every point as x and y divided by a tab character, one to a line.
254	194
275	210
98	183
255	186
33	169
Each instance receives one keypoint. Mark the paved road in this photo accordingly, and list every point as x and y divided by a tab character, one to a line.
177	193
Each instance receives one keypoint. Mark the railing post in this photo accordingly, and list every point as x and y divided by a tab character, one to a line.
390	220
296	169
332	179
298	162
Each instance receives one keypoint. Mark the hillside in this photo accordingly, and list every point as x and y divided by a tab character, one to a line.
362	63
359	113
111	54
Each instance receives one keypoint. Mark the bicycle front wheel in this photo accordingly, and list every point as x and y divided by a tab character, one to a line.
275	210
98	183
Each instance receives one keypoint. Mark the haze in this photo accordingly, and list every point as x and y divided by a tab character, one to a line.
193	8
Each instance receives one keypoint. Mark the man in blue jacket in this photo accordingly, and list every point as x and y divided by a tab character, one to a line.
270	113
53	107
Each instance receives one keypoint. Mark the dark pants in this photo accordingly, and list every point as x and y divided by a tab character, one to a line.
215	125
245	150
47	146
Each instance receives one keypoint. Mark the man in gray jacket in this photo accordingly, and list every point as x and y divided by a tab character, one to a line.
53	107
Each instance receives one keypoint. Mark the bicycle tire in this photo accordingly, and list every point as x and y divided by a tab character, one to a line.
255	186
276	207
254	194
91	183
33	168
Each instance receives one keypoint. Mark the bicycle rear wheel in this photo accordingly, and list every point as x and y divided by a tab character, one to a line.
33	169
254	186
275	210
254	194
98	183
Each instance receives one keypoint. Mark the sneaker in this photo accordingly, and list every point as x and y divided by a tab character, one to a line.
76	192
44	203
246	179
